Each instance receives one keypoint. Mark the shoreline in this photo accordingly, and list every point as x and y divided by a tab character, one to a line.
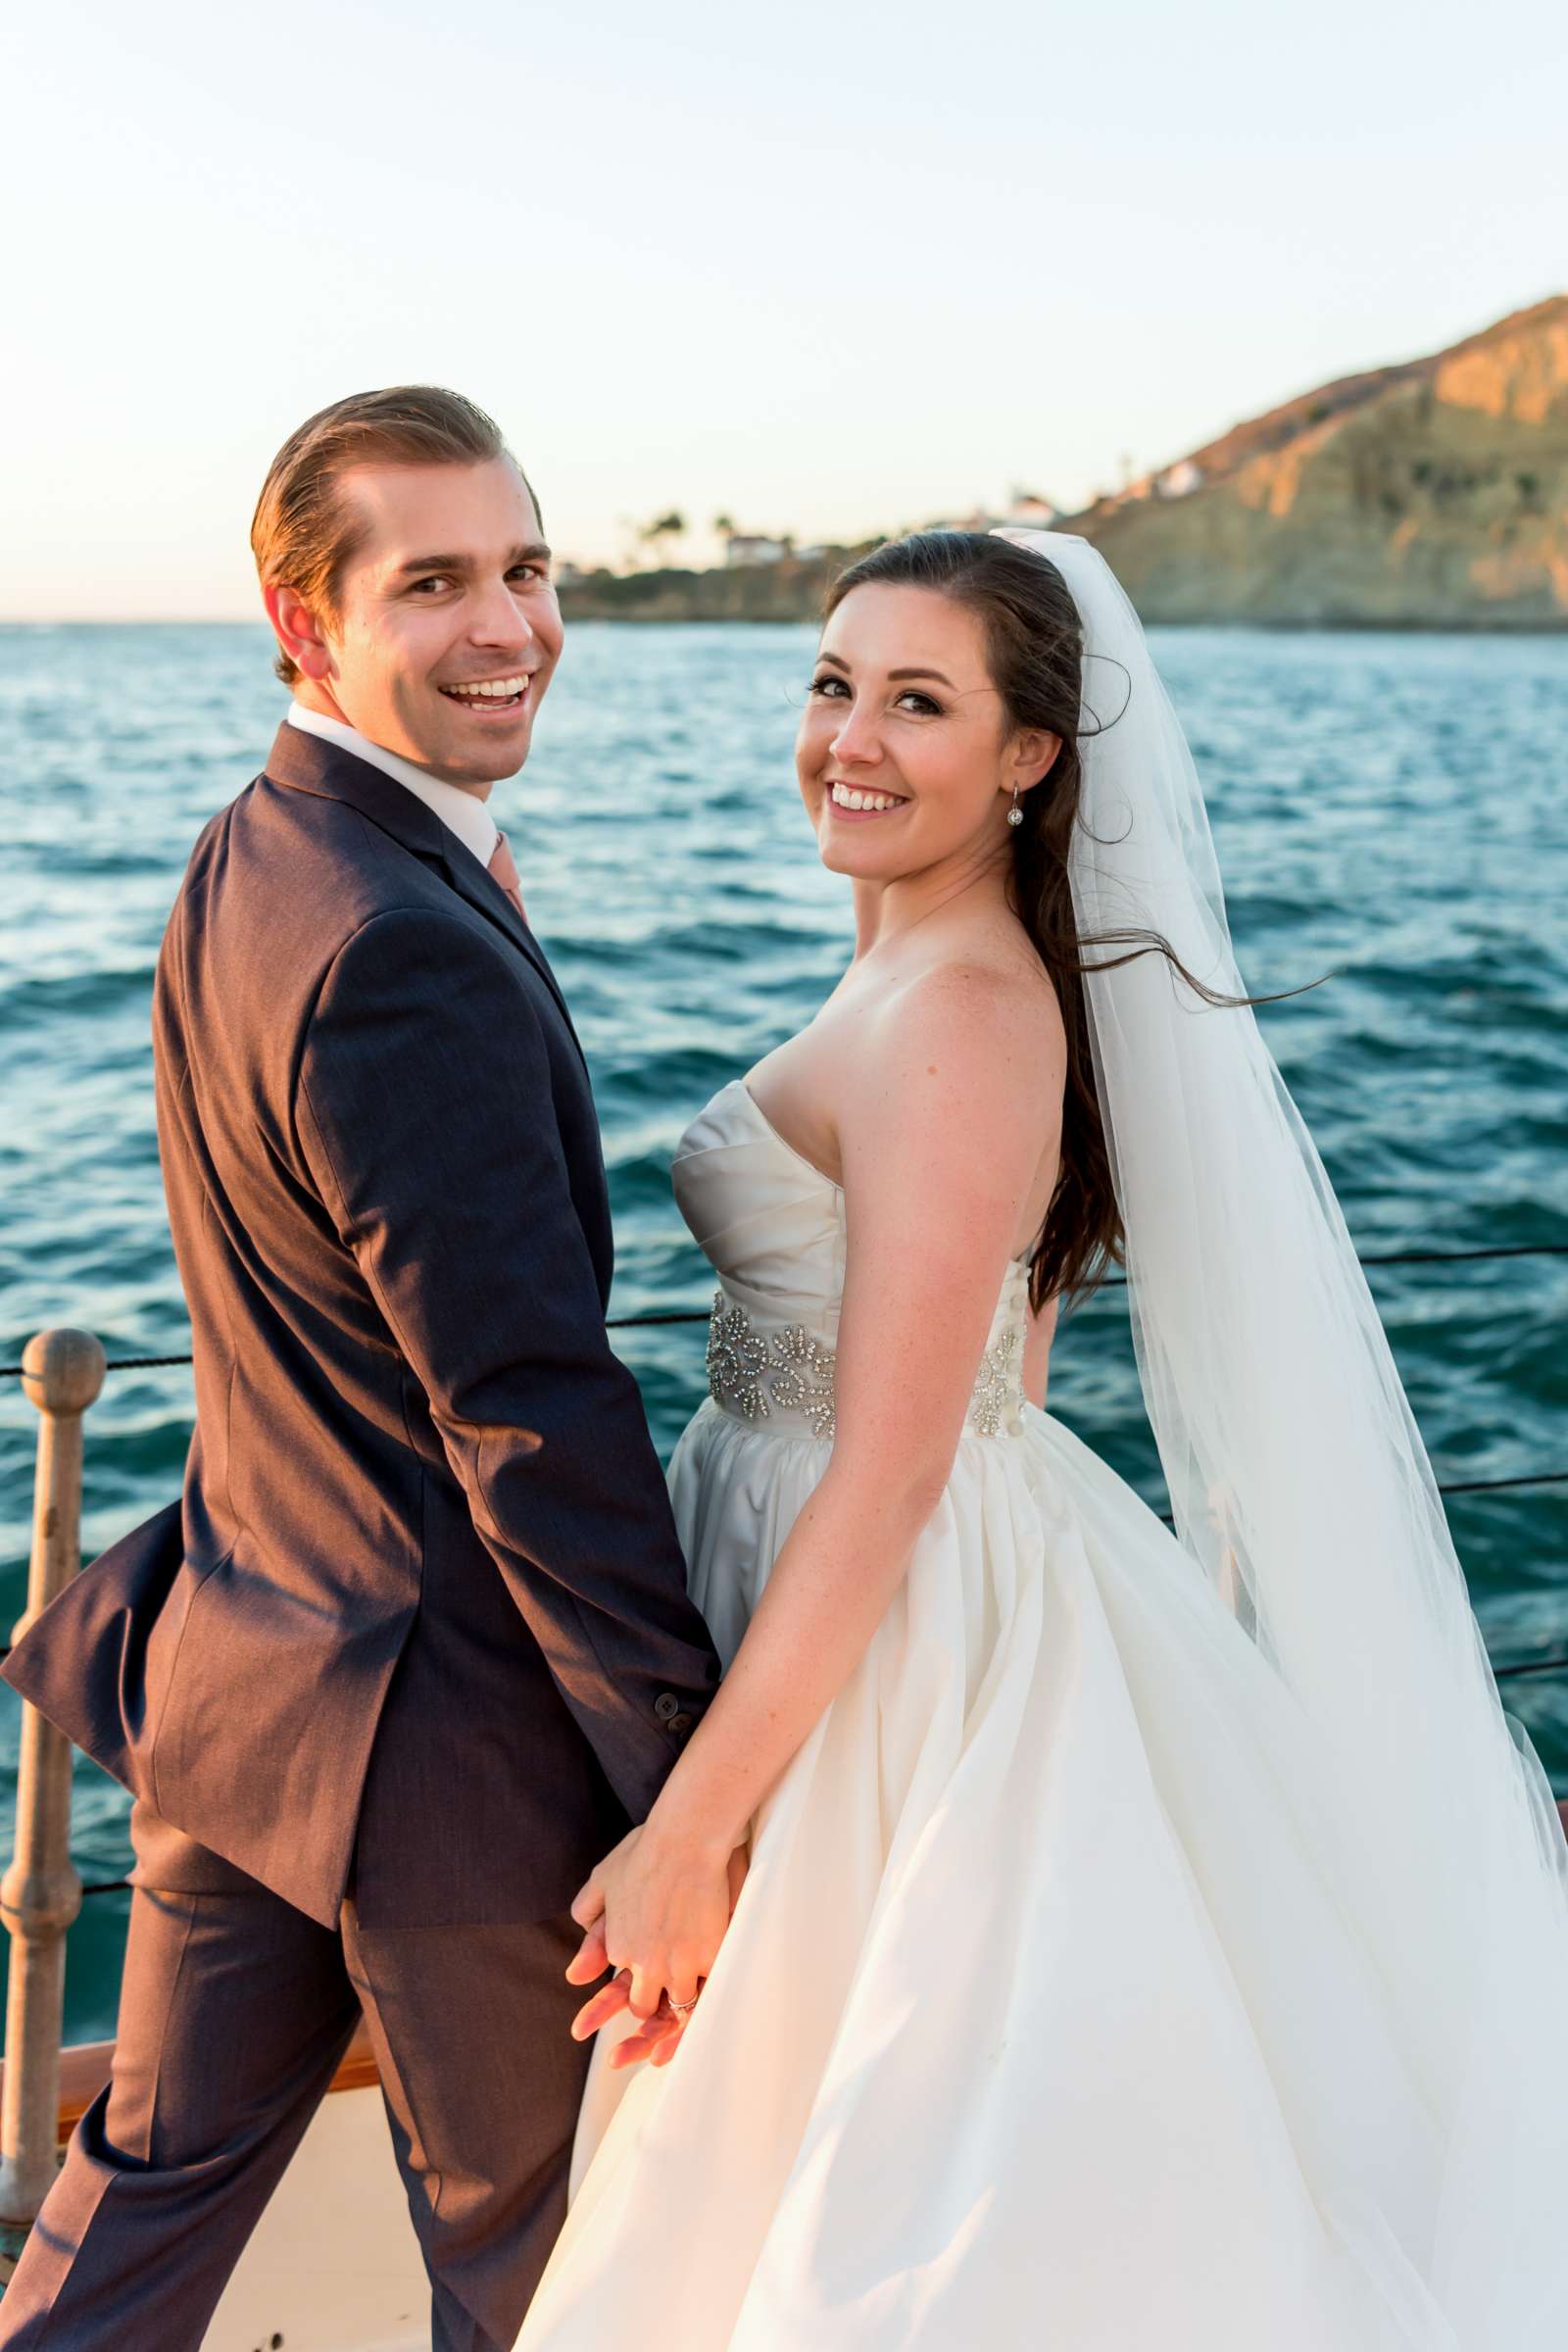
589	609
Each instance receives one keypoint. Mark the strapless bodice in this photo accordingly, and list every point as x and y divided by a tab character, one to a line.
772	1227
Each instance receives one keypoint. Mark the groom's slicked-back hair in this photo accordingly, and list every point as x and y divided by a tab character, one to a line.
303	532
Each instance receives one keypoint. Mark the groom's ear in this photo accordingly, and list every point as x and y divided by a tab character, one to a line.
298	631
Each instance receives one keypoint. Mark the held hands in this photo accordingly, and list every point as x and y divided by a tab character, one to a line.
656	1911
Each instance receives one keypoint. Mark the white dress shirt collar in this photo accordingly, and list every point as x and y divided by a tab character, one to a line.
469	818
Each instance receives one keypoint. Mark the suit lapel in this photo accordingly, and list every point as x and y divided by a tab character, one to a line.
471	881
310	763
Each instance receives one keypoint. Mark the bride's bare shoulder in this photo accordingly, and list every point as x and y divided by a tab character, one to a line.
986	996
970	1029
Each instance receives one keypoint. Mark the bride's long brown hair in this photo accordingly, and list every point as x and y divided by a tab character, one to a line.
1034	649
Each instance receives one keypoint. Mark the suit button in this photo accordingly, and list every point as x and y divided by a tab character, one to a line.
666	1706
680	1725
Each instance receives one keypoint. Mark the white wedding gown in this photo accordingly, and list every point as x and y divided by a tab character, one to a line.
1044	2019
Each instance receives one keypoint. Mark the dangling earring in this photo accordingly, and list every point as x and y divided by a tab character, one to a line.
1016	814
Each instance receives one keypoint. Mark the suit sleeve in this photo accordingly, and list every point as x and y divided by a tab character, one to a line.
426	1114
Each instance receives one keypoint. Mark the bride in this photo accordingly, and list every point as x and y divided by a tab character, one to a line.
1149	1940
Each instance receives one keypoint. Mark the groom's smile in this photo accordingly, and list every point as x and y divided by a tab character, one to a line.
490	697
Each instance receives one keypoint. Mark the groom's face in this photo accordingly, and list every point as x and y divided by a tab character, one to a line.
446	631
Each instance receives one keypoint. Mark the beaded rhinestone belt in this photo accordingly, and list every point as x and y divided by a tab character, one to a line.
752	1373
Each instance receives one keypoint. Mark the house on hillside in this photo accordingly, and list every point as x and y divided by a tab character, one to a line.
1179	480
743	549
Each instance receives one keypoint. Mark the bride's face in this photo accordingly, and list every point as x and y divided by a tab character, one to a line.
904	758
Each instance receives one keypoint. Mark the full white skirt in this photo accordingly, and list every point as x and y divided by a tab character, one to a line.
1044	2019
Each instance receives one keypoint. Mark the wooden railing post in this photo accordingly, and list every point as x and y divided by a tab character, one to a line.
40	1893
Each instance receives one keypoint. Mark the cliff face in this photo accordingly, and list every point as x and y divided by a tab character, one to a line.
1431	494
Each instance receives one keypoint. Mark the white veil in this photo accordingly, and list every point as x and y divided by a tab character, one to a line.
1299	1484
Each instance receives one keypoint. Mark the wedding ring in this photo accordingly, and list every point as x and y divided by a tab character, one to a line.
684	2008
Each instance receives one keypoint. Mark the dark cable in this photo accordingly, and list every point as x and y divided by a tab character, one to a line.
1391	1257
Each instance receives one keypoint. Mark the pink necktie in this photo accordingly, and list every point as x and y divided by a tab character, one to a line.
504	867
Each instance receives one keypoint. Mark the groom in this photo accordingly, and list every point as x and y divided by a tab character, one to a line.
415	1645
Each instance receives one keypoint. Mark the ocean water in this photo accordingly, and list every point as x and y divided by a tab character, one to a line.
1390	809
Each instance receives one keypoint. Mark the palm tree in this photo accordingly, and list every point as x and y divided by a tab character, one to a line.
662	531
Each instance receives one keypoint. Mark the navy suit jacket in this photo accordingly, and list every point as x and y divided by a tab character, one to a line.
419	1631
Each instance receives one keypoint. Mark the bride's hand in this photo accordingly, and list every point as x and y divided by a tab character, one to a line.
646	1887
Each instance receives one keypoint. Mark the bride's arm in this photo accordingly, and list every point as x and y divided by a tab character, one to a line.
940	1143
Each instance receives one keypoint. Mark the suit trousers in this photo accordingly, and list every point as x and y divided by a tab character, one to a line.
236	2010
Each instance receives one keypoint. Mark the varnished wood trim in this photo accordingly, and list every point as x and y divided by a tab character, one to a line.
85	2070
359	2070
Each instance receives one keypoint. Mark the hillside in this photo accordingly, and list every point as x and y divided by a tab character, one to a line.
1430	494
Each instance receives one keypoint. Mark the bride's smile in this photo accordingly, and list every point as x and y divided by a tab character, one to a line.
847	799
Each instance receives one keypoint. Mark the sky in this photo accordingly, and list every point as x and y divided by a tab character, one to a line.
829	268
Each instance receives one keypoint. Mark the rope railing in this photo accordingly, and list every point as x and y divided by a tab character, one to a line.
1112	1282
663	1318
